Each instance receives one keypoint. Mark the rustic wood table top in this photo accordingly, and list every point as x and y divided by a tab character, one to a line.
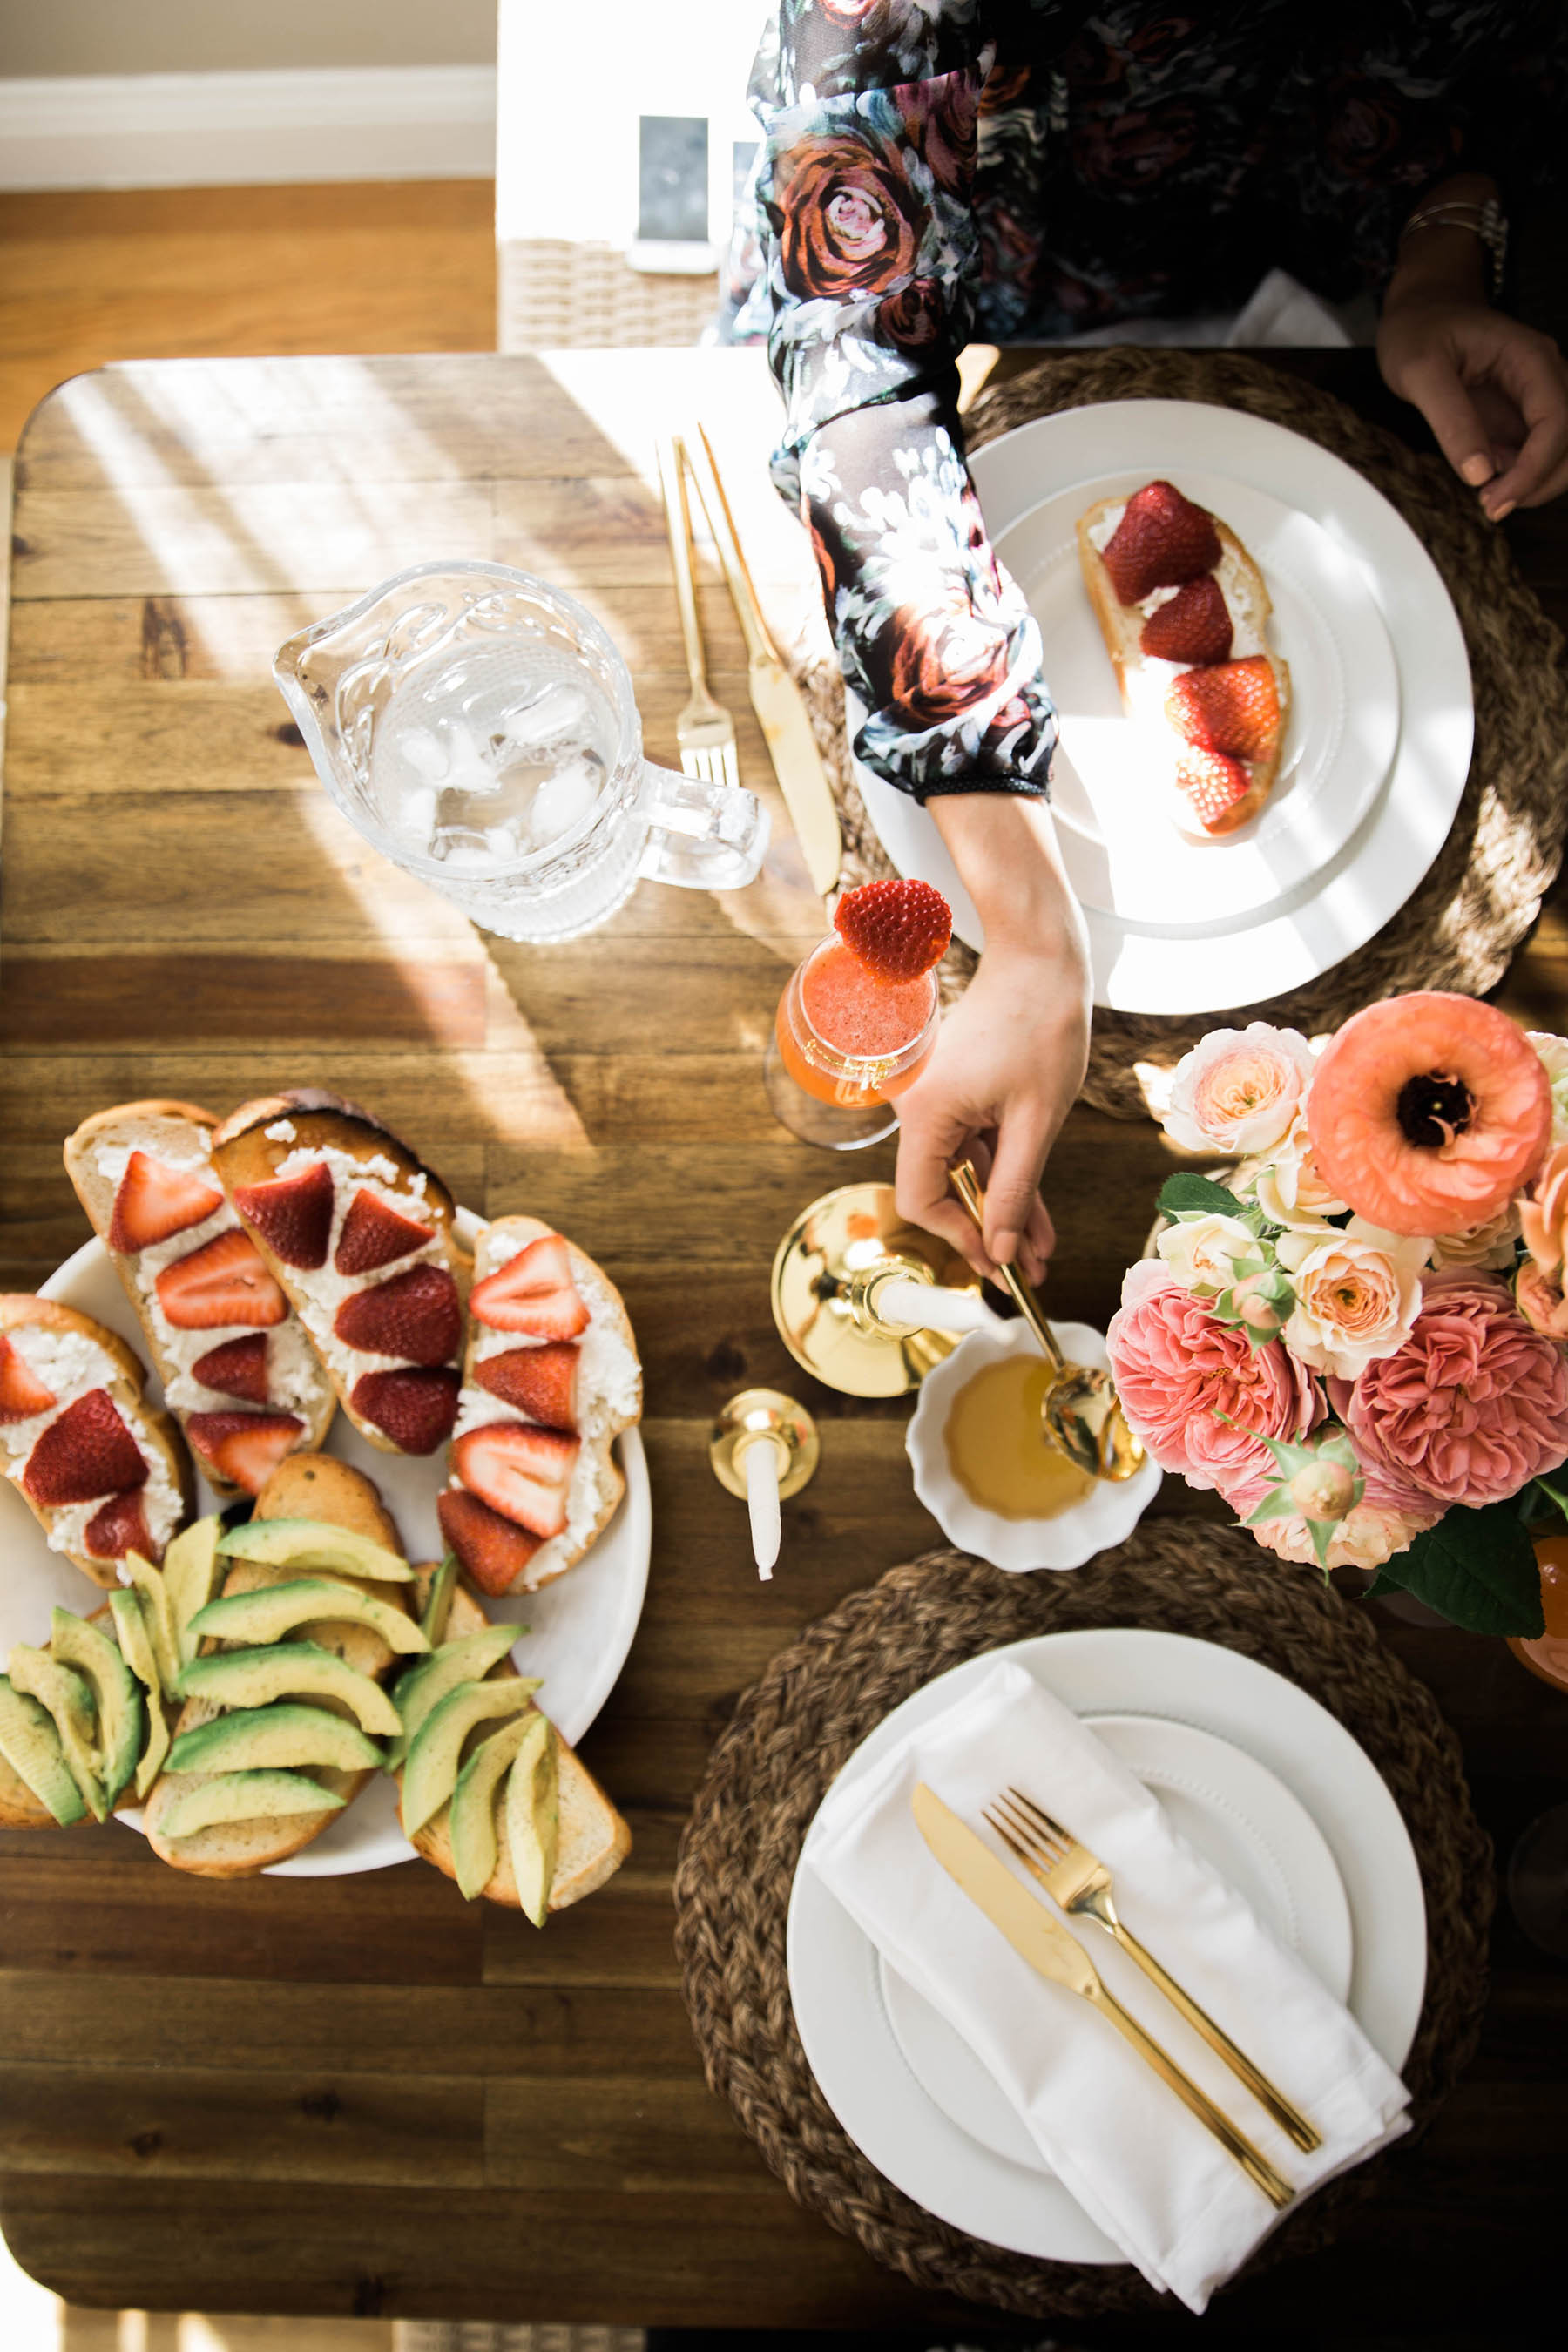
361	2095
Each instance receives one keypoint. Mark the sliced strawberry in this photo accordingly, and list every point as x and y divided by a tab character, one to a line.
1233	708
896	930
1161	541
293	1215
520	1471
373	1234
1213	783
493	1552
243	1447
417	1316
223	1282
533	1292
416	1410
1193	625
540	1381
85	1451
156	1201
22	1393
237	1367
119	1528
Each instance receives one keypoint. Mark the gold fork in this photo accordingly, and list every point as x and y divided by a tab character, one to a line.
1072	1877
703	727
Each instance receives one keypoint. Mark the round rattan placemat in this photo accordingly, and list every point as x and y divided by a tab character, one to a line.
794	1730
1478	900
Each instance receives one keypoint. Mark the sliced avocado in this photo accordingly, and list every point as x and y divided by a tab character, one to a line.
31	1746
274	1610
468	1660
472	1823
243	1797
430	1774
279	1737
312	1543
193	1571
121	1716
69	1700
256	1677
438	1602
533	1820
160	1616
128	1611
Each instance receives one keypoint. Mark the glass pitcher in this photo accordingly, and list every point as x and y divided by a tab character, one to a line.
479	729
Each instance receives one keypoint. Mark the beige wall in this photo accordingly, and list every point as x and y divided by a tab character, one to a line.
117	37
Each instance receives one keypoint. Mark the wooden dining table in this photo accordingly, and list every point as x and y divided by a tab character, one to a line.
359	2094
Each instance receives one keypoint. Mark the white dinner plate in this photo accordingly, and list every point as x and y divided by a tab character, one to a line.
835	1973
580	1627
1243	1819
1180	968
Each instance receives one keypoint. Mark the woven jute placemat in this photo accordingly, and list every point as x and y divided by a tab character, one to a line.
1479	898
796	1727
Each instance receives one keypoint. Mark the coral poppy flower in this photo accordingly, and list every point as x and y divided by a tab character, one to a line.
1427	1112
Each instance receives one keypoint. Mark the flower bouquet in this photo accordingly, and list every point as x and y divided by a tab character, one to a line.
1361	1339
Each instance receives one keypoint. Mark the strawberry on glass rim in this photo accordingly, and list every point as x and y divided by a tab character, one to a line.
858	1019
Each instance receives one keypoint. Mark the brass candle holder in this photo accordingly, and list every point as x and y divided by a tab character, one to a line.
763	1447
831	1268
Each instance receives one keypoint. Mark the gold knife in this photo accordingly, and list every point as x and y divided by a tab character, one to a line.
1058	1957
776	698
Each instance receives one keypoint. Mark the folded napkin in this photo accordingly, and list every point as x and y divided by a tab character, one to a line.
1144	2168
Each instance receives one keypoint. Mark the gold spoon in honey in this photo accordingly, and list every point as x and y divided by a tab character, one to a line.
1080	1412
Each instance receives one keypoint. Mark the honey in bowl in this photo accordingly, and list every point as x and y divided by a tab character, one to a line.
998	1450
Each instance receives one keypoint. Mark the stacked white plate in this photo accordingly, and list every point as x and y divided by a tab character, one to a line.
1375	753
1257	1775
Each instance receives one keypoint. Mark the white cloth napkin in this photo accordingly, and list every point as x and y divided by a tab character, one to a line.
1144	2168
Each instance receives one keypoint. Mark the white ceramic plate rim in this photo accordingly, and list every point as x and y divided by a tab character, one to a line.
1122	1670
605	1592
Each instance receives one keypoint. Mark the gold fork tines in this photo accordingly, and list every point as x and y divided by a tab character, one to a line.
1081	1885
704	729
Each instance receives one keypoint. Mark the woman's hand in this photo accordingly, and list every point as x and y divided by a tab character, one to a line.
1011	1055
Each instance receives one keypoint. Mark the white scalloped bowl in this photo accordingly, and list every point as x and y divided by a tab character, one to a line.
1067	1541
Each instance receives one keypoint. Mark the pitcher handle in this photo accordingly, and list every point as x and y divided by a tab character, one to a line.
703	836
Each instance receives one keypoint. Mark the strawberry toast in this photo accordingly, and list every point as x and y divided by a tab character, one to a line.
549	1378
104	1474
362	1238
1184	612
238	1373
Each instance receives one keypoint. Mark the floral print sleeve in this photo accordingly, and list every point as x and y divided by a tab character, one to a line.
865	200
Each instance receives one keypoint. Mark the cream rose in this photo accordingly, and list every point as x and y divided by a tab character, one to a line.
1490	1244
1238	1091
1203	1252
1358	1293
1288	1189
1553	1056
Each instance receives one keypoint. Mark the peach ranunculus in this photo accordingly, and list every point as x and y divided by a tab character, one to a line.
1543	1214
1240	1090
1199	1393
1553	1054
1358	1292
1287	1185
1473	1406
1540	1302
1206	1252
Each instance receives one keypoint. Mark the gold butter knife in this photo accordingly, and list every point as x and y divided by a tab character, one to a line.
776	698
1061	1959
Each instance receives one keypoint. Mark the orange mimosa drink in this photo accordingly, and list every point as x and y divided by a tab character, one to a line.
854	1026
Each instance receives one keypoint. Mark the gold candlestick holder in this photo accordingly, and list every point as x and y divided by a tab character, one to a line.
764	1416
831	1266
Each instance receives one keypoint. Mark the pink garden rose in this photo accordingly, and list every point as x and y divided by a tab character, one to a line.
1178	1368
1240	1090
1474	1403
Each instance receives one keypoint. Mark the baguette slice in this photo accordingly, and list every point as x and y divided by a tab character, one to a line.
609	1400
1143	686
179	1133
259	1139
90	1357
304	1487
594	1839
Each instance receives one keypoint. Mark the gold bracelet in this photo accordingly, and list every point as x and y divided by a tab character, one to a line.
1486	221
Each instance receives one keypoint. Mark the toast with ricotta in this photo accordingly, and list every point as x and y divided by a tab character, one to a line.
238	1373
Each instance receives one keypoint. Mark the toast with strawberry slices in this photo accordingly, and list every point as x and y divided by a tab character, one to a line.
361	1237
103	1474
1184	610
549	1378
238	1373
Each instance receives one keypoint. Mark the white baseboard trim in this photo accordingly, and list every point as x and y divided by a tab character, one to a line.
211	130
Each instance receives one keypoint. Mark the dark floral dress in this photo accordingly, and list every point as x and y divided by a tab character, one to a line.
1021	170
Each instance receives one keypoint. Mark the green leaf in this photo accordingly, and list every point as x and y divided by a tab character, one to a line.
1381	1582
1478	1568
1188	1195
1543	1487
